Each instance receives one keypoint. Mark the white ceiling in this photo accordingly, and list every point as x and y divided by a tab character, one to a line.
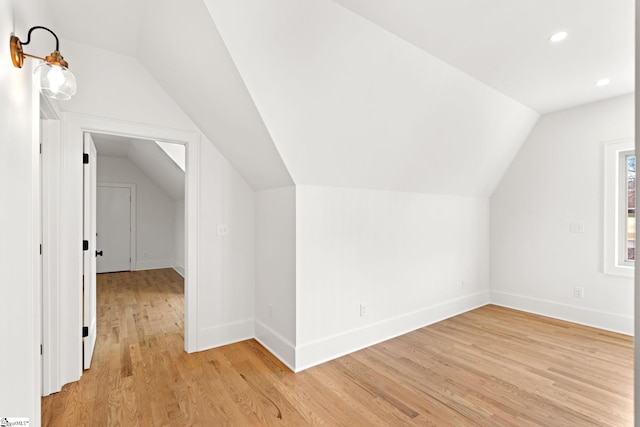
410	95
179	45
148	157
504	43
349	105
113	25
112	145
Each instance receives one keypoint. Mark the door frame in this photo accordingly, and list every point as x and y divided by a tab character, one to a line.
89	280
50	125
133	220
68	301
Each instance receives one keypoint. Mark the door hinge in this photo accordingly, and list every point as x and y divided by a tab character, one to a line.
85	331
40	349
85	158
40	148
40	248
85	245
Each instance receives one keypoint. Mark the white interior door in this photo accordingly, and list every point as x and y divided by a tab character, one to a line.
114	229
89	270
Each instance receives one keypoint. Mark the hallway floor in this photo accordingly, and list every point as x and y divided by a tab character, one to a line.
489	367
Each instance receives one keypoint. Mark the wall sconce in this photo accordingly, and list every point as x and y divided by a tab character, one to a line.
53	75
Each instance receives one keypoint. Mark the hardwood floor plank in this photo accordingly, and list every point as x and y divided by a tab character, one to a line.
492	366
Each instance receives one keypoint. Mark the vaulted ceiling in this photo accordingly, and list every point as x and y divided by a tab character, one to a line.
409	95
148	157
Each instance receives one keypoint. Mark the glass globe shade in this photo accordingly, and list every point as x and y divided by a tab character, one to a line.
55	81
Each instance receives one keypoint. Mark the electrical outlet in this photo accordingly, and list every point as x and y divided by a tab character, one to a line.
223	230
578	292
363	309
463	284
577	227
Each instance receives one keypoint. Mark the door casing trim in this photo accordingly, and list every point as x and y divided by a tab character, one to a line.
64	364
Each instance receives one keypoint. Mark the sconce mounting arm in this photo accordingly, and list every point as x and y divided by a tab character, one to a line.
18	54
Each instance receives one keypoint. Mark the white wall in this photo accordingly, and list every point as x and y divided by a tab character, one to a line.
178	250
556	179
155	213
411	258
227	263
19	218
275	308
114	87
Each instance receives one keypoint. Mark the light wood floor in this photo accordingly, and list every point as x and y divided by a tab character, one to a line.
488	367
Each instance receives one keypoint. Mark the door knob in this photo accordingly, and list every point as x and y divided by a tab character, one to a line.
98	253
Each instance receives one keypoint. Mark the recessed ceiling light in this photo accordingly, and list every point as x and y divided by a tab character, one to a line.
603	82
559	36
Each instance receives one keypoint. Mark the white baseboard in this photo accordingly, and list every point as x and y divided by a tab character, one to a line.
584	316
299	358
277	345
154	264
230	333
179	269
329	348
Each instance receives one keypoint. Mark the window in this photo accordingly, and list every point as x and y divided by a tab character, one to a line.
628	198
620	208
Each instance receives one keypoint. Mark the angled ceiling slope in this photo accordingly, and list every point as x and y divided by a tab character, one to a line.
148	157
505	43
179	45
206	85
404	95
350	104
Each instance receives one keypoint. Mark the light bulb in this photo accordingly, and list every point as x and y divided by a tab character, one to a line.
56	79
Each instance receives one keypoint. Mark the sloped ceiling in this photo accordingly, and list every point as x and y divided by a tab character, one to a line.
179	45
148	157
349	104
403	95
183	50
503	43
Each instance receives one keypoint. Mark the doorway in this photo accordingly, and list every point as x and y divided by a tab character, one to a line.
64	311
139	181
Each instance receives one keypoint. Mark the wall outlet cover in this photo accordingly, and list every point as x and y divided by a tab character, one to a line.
577	227
223	230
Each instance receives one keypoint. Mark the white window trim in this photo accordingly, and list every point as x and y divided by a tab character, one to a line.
613	192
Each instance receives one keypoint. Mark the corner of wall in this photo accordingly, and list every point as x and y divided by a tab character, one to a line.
584	316
279	346
326	349
179	269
